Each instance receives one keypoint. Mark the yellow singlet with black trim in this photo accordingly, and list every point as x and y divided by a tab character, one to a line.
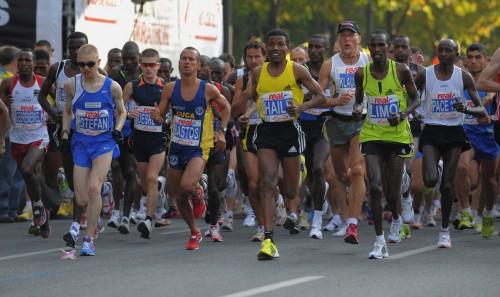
276	93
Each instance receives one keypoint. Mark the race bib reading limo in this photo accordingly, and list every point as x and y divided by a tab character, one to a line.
274	106
144	122
186	131
381	108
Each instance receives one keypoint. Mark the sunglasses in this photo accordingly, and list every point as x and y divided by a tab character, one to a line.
88	64
145	65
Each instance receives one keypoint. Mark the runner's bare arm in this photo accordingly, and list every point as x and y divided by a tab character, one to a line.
324	81
213	94
358	94
486	80
45	91
121	112
253	82
404	75
160	111
69	87
478	110
318	96
239	100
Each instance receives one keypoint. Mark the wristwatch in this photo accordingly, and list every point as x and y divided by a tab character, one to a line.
223	129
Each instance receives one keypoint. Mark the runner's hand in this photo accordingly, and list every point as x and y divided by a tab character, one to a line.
484	120
344	99
220	144
394	119
155	115
293	110
134	113
117	136
460	107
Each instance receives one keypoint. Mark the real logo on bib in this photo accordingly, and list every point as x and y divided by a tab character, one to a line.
199	110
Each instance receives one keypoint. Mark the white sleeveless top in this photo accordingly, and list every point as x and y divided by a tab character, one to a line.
342	76
60	92
437	105
29	121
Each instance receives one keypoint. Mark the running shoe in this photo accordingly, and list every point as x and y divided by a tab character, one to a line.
249	220
379	251
429	219
488	227
388	216
394	231
33	230
259	235
417	222
199	206
317	221
124	226
342	230
45	227
114	220
61	211
304	221
331	226
351	235
71	237
100	227
162	222
280	211
405	232
171	213
133	217
39	216
27	214
108	202
144	227
444	240
407	209
215	233
194	241
88	248
268	250
227	223
465	221
291	225
140	215
478	225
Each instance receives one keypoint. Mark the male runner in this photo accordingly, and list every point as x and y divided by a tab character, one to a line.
125	180
148	138
41	62
317	148
114	59
192	134
166	69
254	54
280	99
341	129
95	114
58	74
488	80
485	151
385	138
28	135
443	135
299	55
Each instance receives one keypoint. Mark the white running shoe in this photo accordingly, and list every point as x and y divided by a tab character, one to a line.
249	220
132	216
145	227
396	225
444	240
108	202
331	226
316	227
141	214
280	211
407	209
379	251
227	223
124	227
259	235
114	220
341	230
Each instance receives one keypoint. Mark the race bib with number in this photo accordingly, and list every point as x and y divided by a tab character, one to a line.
144	122
346	81
274	106
61	99
27	116
254	119
441	106
186	131
92	123
381	108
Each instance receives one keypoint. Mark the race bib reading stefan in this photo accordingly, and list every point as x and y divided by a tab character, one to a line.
27	116
186	131
144	122
442	106
92	123
381	108
274	106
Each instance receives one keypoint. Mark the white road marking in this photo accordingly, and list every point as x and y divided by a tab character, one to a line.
412	252
275	287
31	254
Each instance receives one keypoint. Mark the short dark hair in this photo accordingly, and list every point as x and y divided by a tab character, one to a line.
78	35
166	60
415	50
476	47
228	58
256	44
401	36
278	32
130	46
150	53
43	42
41	55
114	50
191	48
8	54
322	37
381	32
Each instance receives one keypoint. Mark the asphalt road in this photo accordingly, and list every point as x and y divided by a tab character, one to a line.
132	266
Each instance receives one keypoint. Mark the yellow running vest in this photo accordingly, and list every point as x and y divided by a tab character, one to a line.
275	93
384	97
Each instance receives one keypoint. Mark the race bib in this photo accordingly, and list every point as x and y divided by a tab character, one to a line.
186	131
254	119
381	108
61	99
346	81
27	116
441	106
274	106
92	123
144	122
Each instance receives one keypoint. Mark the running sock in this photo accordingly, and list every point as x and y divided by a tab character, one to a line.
268	235
337	220
444	229
353	221
380	237
318	214
149	218
38	203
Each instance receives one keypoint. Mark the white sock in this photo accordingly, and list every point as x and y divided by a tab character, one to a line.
468	210
337	220
352	221
293	215
444	229
380	237
318	215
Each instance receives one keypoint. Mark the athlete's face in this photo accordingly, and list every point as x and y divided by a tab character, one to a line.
316	50
348	42
401	48
25	63
41	67
189	62
88	64
378	47
130	59
299	55
73	47
254	57
276	48
114	59
476	61
165	71
217	71
447	52
149	67
204	71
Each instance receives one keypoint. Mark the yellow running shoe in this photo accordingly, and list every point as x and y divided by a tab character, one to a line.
268	250
465	221
61	211
26	215
488	227
405	232
68	207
